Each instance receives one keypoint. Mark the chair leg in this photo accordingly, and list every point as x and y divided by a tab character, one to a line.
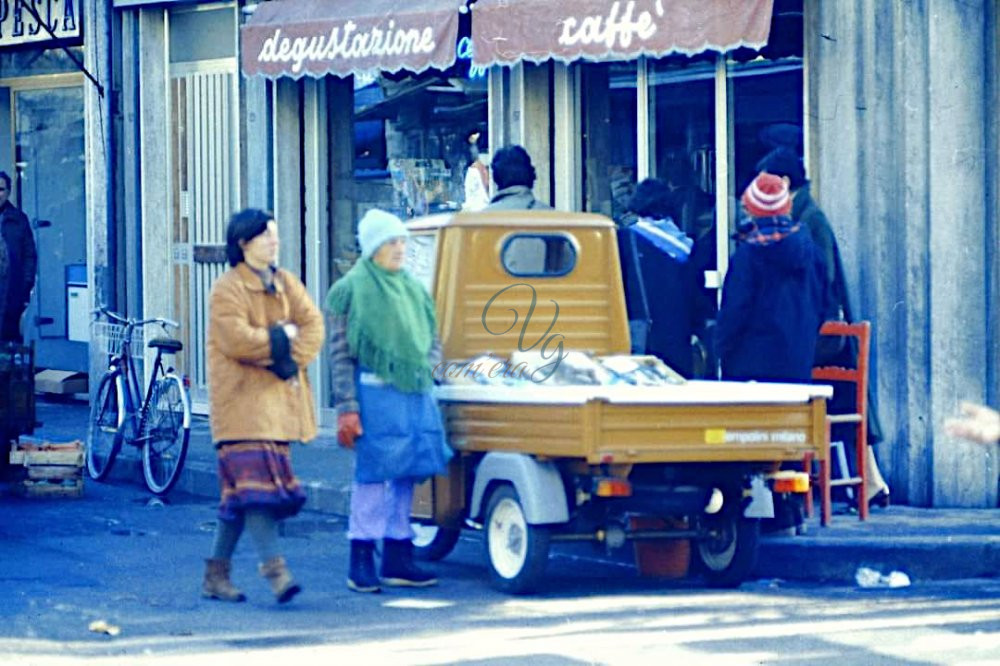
861	455
807	464
824	485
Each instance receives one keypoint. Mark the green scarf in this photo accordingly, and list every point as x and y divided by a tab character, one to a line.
391	323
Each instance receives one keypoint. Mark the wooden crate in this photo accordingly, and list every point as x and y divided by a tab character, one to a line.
52	470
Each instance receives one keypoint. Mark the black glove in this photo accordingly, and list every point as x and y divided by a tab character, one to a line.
281	353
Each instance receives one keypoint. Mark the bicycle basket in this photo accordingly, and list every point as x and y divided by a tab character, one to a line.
107	338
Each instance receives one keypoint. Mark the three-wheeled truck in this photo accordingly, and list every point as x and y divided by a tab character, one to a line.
692	464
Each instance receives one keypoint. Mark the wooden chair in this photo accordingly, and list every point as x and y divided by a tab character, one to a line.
858	376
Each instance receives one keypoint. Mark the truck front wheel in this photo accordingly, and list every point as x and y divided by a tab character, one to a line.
517	552
728	554
432	543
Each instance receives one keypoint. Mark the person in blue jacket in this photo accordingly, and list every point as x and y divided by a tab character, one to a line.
774	295
383	347
656	274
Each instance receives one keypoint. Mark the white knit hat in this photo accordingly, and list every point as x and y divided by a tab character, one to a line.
377	227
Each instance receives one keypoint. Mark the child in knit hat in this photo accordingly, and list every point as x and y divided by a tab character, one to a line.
773	297
773	301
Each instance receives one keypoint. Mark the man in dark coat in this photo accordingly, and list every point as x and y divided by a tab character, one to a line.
782	162
830	351
773	298
22	260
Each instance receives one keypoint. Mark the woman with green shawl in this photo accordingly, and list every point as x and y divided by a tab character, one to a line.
383	345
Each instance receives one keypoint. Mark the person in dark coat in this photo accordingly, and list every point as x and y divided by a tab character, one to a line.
831	350
773	298
22	262
4	275
654	249
514	175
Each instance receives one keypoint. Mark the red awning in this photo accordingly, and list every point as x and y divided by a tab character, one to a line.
507	31
342	37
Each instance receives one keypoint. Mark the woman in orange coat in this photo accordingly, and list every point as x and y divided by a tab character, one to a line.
263	332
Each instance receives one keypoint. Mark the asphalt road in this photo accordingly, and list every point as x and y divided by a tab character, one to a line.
114	556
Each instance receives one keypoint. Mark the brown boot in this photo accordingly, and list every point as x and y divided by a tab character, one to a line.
282	584
217	584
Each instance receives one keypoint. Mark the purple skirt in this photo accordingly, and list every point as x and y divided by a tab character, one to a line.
257	475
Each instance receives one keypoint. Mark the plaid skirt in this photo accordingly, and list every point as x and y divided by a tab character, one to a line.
257	475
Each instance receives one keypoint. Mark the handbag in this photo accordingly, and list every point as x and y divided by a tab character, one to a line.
638	329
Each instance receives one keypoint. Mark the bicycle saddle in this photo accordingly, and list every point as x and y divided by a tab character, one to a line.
166	344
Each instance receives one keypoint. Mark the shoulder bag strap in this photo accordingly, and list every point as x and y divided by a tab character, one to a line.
638	272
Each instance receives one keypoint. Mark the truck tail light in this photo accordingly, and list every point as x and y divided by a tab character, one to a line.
787	481
612	488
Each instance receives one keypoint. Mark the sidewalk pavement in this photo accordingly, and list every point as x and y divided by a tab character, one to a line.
926	544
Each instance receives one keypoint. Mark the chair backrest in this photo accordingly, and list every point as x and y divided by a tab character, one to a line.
858	375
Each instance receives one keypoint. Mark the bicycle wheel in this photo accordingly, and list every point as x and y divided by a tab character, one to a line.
104	429
168	427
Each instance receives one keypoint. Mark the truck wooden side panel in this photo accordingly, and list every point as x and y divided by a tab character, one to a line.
601	432
706	433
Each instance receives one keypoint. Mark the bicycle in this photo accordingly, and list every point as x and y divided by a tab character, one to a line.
159	423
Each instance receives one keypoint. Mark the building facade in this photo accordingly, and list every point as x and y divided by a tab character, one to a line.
45	86
320	110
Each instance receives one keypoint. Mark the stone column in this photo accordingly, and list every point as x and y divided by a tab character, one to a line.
154	167
287	158
99	169
898	103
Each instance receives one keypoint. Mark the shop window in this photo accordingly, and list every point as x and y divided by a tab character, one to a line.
37	62
682	136
538	255
682	153
767	113
202	34
411	141
767	95
370	160
608	114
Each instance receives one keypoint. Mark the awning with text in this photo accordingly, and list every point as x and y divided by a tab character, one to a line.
508	31
319	37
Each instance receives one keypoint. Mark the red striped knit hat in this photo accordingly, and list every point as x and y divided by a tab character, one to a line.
767	196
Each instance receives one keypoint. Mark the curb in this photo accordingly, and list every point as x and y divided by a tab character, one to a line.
921	558
811	558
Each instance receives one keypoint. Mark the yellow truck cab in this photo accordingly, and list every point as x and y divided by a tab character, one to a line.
681	468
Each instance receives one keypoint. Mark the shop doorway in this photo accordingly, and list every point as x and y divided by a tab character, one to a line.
204	153
48	170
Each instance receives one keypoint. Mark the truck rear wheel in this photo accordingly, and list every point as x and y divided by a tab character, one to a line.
432	543
728	555
516	551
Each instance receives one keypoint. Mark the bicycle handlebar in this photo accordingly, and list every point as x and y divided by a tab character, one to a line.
114	316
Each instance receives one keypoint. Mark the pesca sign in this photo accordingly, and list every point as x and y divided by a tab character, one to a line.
18	24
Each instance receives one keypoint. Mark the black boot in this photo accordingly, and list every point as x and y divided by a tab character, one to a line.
361	577
398	568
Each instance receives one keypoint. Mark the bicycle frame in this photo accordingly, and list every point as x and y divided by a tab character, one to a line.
124	362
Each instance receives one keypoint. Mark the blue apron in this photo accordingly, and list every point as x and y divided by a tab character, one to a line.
403	433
